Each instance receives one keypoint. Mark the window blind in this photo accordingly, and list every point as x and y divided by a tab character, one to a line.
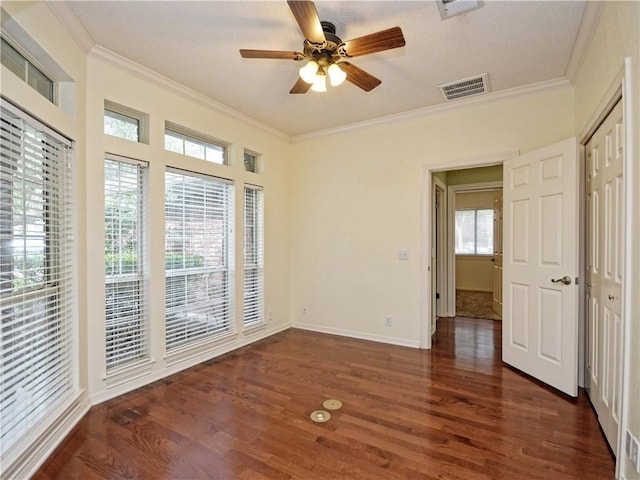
198	257
253	255
125	295
36	274
474	232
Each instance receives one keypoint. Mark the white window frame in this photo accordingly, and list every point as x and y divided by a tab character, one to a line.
129	113
256	161
253	285
32	64
191	319
187	135
43	379
475	233
127	338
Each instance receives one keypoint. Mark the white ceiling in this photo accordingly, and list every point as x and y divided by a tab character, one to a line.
196	44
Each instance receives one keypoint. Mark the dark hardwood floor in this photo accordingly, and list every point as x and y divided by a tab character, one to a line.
454	412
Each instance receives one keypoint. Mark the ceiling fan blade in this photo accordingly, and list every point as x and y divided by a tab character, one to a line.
307	17
271	54
374	42
359	77
300	87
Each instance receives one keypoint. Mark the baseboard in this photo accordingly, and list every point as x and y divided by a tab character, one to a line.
27	464
359	335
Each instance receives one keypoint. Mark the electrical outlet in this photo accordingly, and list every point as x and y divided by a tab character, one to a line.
403	254
388	320
305	310
270	315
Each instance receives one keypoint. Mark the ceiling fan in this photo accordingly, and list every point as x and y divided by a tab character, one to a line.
326	52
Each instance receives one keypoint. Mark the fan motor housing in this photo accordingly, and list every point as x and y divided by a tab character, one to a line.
328	51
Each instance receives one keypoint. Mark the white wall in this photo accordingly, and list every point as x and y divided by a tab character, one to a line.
617	37
358	201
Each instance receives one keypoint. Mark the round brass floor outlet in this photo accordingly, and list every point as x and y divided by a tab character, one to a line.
320	416
332	404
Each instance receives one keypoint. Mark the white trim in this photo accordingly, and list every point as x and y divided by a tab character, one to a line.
402	342
427	187
441	259
588	26
111	58
72	24
631	212
606	104
127	373
463	103
621	88
27	464
451	221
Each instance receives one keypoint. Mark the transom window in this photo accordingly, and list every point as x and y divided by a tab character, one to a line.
121	125
192	146
474	232
125	122
12	59
250	162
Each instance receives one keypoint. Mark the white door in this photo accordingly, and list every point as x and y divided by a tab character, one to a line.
540	265
605	233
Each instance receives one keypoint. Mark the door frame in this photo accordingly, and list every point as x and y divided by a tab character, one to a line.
428	170
441	251
451	221
619	90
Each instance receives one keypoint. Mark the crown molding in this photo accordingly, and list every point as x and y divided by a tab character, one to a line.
111	58
442	107
588	26
62	11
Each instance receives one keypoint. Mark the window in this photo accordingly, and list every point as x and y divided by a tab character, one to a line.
253	255
27	71
120	125
126	324
125	122
474	232
250	162
199	256
203	149
36	274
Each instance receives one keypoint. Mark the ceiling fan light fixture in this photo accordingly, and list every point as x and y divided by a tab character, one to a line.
336	75
320	83
308	72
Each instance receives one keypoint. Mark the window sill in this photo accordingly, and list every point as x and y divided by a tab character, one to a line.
470	256
254	328
127	373
195	349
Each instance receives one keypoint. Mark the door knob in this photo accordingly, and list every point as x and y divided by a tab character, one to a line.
566	280
611	297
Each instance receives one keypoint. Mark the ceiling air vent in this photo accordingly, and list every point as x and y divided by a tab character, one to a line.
465	88
451	8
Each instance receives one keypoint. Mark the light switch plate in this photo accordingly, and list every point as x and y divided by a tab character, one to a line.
403	254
